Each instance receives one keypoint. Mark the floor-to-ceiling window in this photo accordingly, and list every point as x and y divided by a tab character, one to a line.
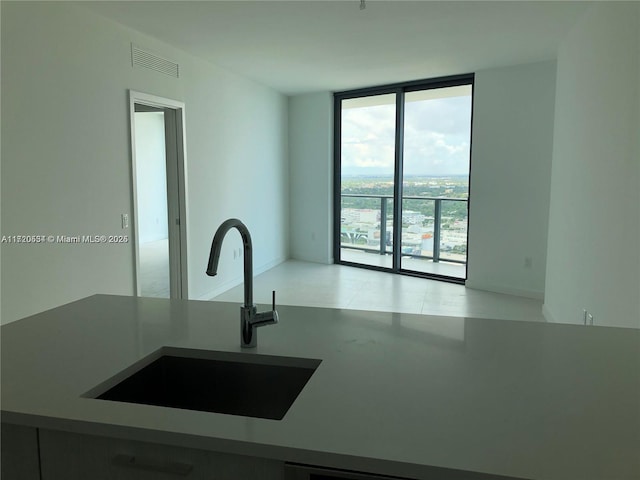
402	158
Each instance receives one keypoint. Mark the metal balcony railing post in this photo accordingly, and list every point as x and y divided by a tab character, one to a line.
383	225
436	230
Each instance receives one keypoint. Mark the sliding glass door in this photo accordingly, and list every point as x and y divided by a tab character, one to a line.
367	174
402	157
435	175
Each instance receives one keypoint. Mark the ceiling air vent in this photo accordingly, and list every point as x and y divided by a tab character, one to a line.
142	58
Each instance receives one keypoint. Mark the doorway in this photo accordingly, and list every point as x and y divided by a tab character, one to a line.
158	187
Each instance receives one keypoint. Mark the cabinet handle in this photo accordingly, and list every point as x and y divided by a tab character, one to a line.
173	468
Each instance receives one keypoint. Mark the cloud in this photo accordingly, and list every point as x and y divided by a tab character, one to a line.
436	138
368	137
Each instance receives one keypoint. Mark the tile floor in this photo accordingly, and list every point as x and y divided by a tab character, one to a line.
154	269
338	286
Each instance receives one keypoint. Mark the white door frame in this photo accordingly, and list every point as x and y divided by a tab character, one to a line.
176	189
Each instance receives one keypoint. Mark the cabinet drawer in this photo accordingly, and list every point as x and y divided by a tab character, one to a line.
78	457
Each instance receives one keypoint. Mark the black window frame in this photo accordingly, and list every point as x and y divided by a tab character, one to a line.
400	89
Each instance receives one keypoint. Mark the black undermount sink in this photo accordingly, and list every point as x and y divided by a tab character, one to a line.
249	385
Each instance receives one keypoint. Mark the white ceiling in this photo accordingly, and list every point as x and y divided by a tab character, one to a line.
304	46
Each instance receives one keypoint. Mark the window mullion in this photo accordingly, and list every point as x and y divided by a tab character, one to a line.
397	191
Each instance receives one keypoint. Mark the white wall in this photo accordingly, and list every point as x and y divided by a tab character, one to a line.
151	176
66	160
510	178
311	167
594	224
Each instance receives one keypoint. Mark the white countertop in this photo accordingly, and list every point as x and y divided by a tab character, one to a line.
395	393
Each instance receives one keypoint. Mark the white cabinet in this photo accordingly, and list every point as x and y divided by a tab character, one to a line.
73	456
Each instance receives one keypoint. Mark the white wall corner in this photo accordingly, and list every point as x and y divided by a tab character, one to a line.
548	316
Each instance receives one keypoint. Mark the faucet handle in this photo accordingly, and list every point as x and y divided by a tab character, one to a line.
260	319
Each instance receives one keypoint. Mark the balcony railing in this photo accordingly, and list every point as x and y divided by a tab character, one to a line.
353	238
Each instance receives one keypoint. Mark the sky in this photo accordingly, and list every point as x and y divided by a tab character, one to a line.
436	137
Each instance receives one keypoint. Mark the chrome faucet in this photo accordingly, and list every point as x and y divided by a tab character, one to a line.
250	319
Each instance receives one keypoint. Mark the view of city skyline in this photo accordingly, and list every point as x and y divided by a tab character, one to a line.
434	209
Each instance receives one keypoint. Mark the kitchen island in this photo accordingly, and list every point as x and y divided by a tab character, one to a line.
412	396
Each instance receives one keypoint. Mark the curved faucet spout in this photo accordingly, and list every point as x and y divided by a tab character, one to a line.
250	319
214	255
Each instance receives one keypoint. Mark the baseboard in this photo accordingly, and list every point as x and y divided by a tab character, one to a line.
533	294
234	282
315	262
320	261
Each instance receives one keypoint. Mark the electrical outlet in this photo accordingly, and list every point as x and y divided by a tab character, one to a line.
125	220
